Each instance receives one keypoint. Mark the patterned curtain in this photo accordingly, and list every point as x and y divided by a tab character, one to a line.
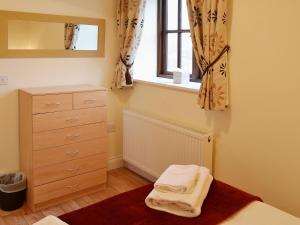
208	22
130	22
71	35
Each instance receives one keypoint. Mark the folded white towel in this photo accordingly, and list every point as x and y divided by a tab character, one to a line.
178	179
50	220
187	205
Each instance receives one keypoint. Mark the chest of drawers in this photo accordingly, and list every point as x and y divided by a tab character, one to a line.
63	142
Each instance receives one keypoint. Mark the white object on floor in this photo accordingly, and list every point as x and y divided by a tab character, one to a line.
187	205
50	220
259	213
178	179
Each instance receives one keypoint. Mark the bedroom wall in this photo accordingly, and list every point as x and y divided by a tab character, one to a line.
57	71
257	145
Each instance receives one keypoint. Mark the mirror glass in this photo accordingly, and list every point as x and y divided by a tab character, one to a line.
34	35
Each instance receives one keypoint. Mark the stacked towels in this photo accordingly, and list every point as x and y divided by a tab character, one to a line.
181	190
178	179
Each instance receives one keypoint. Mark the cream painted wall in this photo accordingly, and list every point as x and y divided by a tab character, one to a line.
257	145
57	71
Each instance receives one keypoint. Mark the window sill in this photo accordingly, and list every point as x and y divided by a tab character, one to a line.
168	83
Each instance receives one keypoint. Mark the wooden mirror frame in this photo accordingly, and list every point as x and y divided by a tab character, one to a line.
5	16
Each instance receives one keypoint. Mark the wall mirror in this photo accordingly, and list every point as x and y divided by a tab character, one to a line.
43	35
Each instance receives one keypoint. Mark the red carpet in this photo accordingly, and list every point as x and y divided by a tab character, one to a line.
129	209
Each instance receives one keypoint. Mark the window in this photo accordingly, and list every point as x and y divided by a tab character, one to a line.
174	41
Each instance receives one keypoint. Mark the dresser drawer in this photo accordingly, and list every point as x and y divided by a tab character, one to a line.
70	135
71	185
83	100
51	103
50	156
72	168
57	120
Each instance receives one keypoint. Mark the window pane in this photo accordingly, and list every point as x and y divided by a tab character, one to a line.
185	19
187	53
172	52
172	14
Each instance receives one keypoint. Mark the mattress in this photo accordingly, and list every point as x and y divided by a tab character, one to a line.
256	213
224	205
259	213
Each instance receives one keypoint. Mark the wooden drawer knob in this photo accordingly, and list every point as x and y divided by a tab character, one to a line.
90	101
72	120
53	104
72	136
72	153
72	186
75	169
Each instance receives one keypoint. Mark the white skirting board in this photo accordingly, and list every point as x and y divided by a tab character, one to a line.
139	172
118	162
115	162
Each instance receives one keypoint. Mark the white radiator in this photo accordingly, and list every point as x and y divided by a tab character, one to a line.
151	145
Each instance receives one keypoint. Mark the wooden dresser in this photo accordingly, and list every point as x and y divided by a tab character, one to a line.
63	142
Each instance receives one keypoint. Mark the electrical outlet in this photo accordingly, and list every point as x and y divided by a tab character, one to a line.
3	80
111	127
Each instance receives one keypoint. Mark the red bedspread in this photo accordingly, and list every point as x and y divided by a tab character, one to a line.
129	209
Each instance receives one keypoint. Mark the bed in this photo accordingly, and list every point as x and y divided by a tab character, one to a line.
224	205
259	213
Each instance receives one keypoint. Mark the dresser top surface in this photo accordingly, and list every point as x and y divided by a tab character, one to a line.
62	89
